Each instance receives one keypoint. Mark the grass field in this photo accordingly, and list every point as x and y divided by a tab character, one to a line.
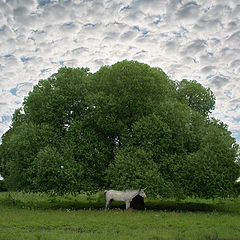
33	216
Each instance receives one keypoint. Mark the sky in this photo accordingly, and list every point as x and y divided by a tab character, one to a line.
194	40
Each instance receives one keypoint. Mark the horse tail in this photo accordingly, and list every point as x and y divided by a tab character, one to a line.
105	192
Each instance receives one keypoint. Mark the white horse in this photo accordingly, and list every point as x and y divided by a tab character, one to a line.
123	196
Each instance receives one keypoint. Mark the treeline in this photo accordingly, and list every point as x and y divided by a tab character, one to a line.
126	126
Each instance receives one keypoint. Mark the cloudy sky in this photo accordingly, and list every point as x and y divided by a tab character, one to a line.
188	39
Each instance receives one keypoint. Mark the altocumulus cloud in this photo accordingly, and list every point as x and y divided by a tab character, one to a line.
187	39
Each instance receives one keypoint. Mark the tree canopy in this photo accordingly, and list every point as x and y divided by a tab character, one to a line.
125	126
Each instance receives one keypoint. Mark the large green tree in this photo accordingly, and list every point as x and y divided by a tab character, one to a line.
126	126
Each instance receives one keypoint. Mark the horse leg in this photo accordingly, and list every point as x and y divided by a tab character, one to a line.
127	205
107	203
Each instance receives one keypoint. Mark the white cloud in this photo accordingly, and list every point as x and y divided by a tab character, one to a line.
194	47
187	39
219	81
189	12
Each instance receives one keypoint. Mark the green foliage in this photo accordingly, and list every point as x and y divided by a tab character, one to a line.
134	168
3	187
91	151
18	152
59	99
126	126
53	172
196	96
126	92
18	117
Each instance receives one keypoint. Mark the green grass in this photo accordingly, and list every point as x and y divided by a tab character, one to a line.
33	216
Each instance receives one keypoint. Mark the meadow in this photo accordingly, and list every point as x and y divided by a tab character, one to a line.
38	216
